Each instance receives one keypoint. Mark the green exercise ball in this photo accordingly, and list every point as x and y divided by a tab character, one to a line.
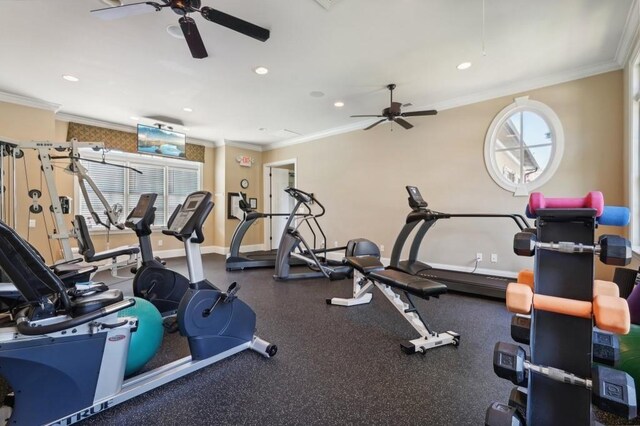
630	354
146	340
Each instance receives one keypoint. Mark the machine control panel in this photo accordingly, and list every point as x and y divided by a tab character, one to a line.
188	209
415	198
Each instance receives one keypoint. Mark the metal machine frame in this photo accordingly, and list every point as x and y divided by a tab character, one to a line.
428	339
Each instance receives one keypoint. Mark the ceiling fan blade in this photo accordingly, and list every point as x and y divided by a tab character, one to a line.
403	123
367	116
419	113
192	36
111	13
375	124
395	108
236	24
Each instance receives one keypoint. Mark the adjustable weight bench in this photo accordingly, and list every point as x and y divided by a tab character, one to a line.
369	272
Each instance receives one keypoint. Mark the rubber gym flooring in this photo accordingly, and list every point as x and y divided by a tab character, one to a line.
334	365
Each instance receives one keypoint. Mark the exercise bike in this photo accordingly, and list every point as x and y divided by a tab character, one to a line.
153	281
65	356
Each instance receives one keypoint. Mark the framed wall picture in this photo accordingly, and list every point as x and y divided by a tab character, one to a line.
253	202
233	205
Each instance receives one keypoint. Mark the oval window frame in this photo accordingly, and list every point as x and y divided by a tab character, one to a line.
555	126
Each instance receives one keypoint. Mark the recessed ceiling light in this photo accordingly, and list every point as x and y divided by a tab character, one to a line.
175	31
338	104
71	78
261	70
316	94
112	3
187	109
134	118
464	66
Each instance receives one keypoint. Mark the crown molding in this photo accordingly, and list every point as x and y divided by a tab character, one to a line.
243	145
526	86
629	34
61	116
12	98
497	92
319	135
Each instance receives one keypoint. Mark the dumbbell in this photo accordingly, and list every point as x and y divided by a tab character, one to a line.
593	200
499	414
606	346
612	390
611	216
610	313
611	249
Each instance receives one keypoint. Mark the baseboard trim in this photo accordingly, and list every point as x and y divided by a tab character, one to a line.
167	254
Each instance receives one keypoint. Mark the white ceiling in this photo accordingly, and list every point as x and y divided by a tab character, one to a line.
132	67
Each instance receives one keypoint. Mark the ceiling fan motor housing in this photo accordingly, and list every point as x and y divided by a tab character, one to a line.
182	7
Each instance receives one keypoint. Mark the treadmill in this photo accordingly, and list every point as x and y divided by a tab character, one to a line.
237	261
465	282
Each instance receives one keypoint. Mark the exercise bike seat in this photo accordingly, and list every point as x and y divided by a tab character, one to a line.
86	304
417	286
364	264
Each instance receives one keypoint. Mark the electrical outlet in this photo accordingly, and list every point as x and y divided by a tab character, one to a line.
478	257
381	247
160	242
322	244
32	223
494	258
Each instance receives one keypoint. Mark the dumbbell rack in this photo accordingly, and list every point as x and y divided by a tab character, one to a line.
562	341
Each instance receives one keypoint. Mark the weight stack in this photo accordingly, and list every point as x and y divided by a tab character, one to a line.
562	341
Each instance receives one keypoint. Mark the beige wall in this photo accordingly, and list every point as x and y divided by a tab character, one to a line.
234	173
360	176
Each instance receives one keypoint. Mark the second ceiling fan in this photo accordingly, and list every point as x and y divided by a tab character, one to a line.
393	113
187	24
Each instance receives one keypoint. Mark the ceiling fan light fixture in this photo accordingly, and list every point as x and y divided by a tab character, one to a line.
175	31
261	70
338	104
464	66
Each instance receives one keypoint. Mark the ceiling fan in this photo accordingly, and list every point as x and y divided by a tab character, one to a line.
393	113
187	24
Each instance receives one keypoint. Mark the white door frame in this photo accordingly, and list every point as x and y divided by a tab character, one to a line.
266	206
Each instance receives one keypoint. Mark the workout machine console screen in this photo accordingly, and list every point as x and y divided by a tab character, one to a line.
141	207
415	195
186	212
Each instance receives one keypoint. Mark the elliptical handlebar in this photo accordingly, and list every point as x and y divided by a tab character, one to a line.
305	198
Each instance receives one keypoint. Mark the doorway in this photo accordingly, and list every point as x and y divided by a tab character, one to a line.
277	176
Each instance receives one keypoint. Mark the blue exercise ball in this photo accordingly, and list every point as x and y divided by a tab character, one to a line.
146	340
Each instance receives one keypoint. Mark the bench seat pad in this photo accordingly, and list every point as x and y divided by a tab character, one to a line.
365	264
417	286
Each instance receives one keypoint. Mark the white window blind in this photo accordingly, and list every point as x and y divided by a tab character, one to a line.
151	180
172	182
180	183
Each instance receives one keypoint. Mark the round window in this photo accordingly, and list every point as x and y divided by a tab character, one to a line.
524	146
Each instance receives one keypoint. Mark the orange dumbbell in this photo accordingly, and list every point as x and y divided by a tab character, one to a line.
611	313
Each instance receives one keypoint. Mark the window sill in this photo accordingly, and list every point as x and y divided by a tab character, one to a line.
101	230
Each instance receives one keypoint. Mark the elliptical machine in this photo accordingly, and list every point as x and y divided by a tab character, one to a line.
153	281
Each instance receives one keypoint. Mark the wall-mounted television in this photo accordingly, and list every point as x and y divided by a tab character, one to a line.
158	141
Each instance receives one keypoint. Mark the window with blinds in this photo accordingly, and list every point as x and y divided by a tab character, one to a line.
122	187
